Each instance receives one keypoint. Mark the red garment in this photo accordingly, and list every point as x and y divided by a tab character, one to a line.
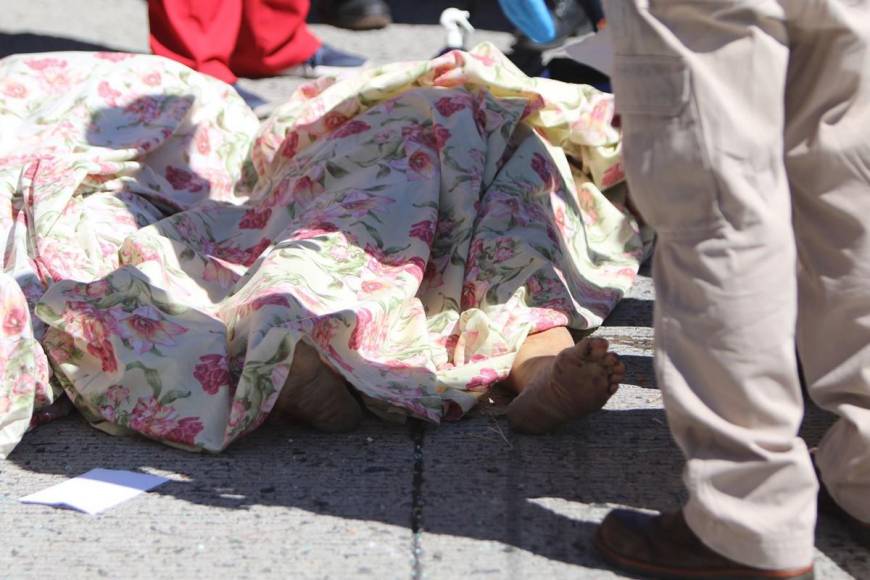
231	38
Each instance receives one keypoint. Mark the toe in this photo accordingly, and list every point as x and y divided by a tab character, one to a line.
614	366
596	348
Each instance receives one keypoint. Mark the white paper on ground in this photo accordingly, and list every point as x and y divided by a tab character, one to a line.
594	50
97	490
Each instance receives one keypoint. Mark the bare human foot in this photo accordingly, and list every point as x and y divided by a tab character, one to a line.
316	395
558	381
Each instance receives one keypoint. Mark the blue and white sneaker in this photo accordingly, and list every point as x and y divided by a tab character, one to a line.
327	61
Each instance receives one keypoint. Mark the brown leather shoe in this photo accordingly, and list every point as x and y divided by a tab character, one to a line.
663	546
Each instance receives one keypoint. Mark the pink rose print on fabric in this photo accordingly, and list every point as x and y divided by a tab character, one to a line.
184	180
323	333
152	419
255	219
45	63
307	188
504	250
363	321
270	300
317	230
110	95
146	328
14	90
434	137
359	203
369	332
117	394
104	351
23	384
371	286
144	109
447	106
541	166
485	59
112	56
238	411
152	79
386	267
202	141
290	145
218	273
613	175
334	120
602	112
185	431
424	231
485	378
441	134
354	127
14	320
588	205
473	293
83	322
252	253
421	164
212	372
237	255
59	346
545	319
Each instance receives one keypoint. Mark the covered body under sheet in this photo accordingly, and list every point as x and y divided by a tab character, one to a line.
164	252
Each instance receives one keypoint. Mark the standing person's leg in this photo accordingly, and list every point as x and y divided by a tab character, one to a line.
198	33
273	37
828	162
700	87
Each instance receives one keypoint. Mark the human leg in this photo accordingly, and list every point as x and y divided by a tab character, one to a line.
556	380
828	162
316	395
700	88
198	33
273	37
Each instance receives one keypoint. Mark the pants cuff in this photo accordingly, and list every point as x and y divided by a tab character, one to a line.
769	552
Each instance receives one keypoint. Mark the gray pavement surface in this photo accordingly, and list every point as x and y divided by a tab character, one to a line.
463	500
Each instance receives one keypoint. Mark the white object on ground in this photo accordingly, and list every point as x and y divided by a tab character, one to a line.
594	50
97	490
457	28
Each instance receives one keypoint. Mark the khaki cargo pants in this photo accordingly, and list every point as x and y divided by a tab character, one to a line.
747	147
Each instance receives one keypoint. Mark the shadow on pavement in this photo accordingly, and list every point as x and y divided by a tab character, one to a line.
470	480
474	479
28	42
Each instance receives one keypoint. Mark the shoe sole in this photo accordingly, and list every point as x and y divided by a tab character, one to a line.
646	569
363	23
309	72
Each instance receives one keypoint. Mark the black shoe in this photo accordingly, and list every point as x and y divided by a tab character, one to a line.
355	14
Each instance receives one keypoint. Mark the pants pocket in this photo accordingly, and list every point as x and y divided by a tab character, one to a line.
665	157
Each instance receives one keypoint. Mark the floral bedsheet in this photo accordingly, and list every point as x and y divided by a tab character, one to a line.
164	252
